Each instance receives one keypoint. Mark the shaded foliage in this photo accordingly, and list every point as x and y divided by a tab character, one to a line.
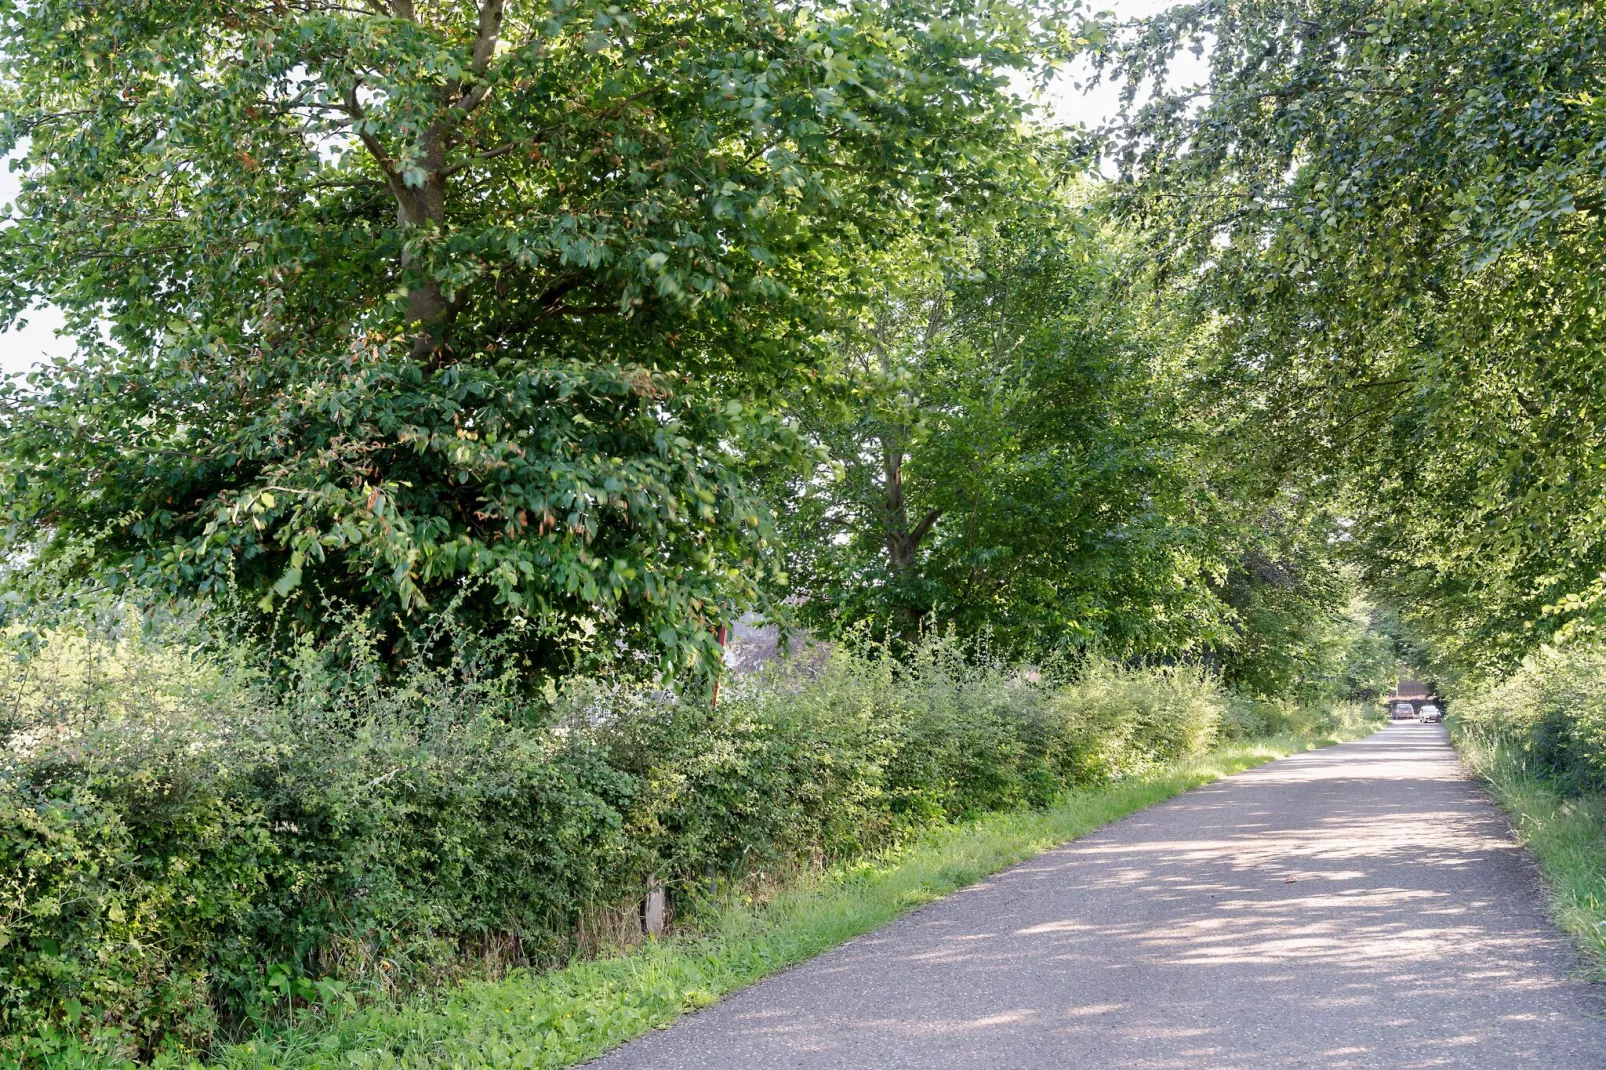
372	298
1396	209
1009	452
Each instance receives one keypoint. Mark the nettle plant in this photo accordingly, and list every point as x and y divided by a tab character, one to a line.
374	297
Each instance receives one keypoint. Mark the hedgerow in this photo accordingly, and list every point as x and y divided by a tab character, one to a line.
1550	715
190	846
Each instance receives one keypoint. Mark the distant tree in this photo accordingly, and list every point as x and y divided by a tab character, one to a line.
415	303
1007	452
1300	625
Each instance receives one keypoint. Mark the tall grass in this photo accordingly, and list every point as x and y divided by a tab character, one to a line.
1565	832
1538	740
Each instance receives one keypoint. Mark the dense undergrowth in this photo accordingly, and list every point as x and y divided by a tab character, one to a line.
194	850
1538	739
562	1017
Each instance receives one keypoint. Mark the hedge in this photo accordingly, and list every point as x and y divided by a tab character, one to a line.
1550	713
190	846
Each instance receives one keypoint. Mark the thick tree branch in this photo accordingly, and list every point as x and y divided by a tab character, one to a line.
923	528
490	28
487	33
375	147
481	157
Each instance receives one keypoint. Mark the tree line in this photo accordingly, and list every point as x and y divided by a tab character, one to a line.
591	327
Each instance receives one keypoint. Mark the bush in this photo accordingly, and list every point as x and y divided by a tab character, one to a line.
190	847
1115	720
1550	713
1250	718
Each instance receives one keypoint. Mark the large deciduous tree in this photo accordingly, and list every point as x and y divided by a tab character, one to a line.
1010	454
410	303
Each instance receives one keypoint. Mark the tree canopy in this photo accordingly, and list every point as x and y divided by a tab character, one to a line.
589	327
1395	210
413	304
1011	454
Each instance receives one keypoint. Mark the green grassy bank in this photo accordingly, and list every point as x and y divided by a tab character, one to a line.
1565	832
562	1017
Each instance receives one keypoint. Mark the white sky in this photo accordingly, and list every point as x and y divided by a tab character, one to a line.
21	348
1094	107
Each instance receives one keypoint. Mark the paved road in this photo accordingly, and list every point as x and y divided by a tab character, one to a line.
1411	936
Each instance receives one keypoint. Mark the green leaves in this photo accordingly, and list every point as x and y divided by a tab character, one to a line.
483	306
1008	453
1394	208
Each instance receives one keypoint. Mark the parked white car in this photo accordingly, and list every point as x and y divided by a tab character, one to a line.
1430	712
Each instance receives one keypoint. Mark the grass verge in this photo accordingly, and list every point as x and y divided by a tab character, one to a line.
1566	834
562	1017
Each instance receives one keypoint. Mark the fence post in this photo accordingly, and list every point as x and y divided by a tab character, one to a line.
652	909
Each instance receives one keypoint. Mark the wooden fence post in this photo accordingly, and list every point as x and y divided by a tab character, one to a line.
652	909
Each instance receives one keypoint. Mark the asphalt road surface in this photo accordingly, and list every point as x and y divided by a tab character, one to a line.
1359	906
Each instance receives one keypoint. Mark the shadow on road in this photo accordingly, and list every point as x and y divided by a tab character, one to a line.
1358	906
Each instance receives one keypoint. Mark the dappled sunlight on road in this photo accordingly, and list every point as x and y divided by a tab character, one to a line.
1359	906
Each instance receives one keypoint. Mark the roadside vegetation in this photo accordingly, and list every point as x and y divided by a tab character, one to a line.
197	850
1538	740
563	1017
450	378
1564	830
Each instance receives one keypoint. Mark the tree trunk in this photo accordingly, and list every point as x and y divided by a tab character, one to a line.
424	204
903	541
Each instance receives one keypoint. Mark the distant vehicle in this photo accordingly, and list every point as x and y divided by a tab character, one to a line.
1430	712
1401	710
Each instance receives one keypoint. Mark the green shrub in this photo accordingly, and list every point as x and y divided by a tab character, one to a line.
188	846
1249	718
1550	713
1116	720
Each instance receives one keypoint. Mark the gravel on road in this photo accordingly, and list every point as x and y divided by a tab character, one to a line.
1359	906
